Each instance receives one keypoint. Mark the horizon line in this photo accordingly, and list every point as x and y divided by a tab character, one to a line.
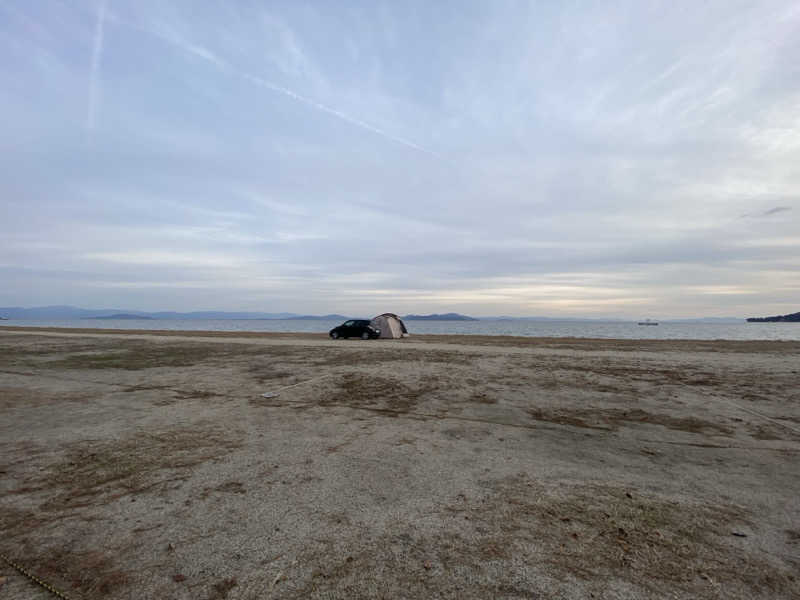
346	315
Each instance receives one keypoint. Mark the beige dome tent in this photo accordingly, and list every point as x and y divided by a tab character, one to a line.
390	325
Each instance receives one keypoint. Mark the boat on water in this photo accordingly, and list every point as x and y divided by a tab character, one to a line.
648	322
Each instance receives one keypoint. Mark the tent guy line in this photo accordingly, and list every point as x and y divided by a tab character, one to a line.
277	391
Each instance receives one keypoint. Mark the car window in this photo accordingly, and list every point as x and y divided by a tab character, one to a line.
348	323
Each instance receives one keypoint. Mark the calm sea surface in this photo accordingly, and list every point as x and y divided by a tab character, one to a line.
620	330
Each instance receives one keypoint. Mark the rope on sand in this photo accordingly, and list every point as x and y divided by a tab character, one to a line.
277	391
57	593
752	412
758	414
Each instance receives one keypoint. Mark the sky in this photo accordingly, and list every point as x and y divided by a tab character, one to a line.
608	159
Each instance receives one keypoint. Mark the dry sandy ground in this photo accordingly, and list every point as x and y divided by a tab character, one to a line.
141	465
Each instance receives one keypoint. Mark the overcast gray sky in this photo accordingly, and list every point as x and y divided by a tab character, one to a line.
523	158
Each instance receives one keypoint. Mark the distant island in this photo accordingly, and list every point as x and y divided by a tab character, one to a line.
61	312
71	312
444	317
318	318
123	317
792	318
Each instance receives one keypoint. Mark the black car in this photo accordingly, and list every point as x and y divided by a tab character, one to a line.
355	328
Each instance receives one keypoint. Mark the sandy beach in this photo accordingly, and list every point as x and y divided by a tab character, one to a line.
149	464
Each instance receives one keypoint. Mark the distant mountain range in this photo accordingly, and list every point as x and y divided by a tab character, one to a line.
320	318
792	318
71	312
123	317
614	320
444	317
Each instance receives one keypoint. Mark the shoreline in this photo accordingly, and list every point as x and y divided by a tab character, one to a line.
416	340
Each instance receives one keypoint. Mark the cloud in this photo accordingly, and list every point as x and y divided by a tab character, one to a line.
157	258
94	74
775	210
260	81
603	156
766	213
212	58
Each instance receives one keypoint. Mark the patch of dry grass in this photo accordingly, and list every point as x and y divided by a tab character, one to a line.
279	361
483	398
194	394
767	432
523	540
132	355
103	471
139	357
362	355
16	350
349	356
592	531
372	391
94	574
561	416
651	374
221	589
611	419
93	474
617	345
270	373
13	397
14	521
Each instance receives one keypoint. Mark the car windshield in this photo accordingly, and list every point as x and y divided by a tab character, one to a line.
348	323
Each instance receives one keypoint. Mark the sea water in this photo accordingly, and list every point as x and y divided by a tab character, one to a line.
579	329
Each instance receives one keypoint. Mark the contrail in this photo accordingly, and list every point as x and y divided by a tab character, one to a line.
210	57
97	52
332	111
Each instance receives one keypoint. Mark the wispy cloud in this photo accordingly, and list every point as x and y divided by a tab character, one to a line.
767	213
260	81
212	58
94	73
775	210
162	258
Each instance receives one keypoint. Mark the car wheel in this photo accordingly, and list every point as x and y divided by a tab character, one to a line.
365	336
335	335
